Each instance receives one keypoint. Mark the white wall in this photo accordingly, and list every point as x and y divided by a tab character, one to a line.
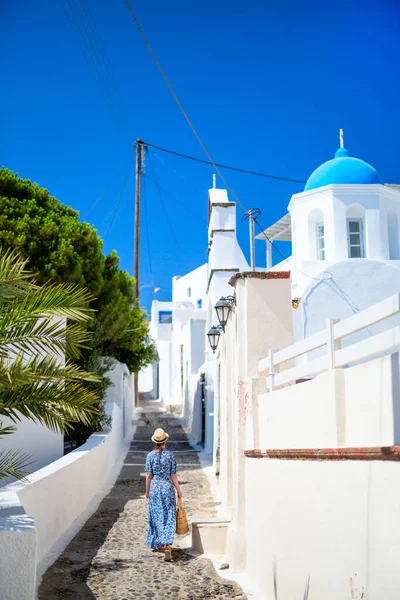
42	445
345	407
333	522
193	283
58	499
164	372
345	288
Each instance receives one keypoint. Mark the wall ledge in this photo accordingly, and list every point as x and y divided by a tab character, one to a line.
259	275
363	453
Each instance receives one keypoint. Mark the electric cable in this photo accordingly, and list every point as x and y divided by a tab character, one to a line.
216	167
177	201
78	27
109	185
146	222
193	128
87	54
167	216
104	57
112	215
238	169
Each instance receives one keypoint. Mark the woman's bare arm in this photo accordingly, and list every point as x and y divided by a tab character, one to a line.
177	486
148	482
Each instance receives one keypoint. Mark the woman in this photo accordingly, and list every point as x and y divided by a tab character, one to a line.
161	478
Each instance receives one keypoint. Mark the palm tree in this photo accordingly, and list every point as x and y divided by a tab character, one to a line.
42	330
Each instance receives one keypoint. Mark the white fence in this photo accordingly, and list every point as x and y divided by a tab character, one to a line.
330	340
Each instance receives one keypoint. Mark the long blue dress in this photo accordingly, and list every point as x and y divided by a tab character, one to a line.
162	500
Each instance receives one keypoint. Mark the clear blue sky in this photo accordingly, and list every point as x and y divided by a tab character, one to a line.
267	84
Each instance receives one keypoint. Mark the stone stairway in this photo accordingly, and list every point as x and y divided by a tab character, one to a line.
109	560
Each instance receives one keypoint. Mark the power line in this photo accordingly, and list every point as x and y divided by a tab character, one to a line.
167	216
87	54
92	56
112	215
185	115
109	185
147	229
204	147
238	169
175	199
106	61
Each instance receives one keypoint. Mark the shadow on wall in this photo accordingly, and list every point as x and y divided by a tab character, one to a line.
306	592
68	576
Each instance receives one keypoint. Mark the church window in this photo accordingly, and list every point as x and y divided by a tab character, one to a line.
355	238
393	235
320	241
189	292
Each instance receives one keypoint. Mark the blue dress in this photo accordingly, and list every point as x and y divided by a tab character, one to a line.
162	500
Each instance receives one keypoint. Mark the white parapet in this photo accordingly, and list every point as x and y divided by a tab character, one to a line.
40	516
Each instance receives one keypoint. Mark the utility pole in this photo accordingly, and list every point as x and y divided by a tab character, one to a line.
252	215
252	249
136	264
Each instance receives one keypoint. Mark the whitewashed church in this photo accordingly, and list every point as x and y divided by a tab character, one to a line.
344	232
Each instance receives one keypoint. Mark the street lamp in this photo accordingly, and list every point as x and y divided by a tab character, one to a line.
213	337
223	308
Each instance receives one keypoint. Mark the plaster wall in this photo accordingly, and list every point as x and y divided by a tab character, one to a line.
334	523
191	287
358	406
38	518
342	290
42	445
222	217
261	318
164	372
225	252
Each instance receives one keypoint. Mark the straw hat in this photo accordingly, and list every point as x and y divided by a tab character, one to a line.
160	436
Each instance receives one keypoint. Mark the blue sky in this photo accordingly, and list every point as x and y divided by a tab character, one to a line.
267	85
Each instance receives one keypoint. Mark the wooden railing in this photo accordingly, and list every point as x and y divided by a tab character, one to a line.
330	340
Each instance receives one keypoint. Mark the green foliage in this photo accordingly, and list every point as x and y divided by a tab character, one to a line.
13	464
91	360
39	326
60	248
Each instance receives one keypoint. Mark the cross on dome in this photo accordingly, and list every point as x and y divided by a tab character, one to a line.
343	169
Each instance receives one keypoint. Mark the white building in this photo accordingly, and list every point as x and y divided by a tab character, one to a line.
344	229
309	469
185	373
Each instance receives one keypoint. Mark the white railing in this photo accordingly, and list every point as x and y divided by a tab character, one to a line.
330	339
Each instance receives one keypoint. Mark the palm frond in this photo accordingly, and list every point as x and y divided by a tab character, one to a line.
38	327
46	392
6	430
15	280
44	336
14	464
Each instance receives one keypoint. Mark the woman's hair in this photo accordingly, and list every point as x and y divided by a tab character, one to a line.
160	447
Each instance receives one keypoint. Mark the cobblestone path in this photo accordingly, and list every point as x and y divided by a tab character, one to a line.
109	560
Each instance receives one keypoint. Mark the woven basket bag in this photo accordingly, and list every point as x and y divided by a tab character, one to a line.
182	525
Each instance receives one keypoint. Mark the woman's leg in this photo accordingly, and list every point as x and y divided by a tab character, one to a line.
168	553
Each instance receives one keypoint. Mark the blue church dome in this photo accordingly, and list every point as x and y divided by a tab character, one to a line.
343	169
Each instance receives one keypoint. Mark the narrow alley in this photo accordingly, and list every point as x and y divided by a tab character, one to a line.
109	560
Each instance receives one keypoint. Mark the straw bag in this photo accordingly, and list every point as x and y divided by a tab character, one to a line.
182	526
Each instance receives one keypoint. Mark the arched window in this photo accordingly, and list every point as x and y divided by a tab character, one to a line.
355	231
316	232
393	235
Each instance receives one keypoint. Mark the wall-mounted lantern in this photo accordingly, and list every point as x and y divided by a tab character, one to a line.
295	303
213	337
223	308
